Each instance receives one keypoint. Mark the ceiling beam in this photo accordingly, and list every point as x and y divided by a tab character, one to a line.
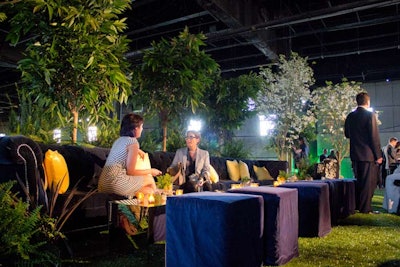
238	14
304	17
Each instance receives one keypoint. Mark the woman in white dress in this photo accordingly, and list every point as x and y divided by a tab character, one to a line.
119	174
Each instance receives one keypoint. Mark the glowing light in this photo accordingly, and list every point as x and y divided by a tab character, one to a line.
57	135
92	133
194	125
267	124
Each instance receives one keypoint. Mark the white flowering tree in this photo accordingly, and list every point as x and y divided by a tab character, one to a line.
332	104
284	98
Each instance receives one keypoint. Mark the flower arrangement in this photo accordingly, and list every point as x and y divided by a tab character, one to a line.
164	182
282	177
245	181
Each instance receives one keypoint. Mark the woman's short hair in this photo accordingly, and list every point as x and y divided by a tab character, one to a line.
195	133
130	122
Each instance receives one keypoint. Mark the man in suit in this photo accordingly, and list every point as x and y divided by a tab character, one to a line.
365	151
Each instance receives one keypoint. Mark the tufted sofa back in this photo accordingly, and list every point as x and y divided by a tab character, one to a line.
162	160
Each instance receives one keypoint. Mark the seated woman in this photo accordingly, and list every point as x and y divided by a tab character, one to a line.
119	175
194	165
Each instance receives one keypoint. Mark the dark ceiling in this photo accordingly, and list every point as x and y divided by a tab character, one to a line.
358	40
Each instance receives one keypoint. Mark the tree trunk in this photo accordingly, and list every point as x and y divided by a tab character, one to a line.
164	137
75	127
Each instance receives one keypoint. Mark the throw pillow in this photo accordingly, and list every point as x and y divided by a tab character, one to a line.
233	170
143	163
262	173
243	170
56	171
214	177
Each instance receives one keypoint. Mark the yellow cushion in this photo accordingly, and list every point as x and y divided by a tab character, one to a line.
214	177
56	171
262	173
143	163
233	170
243	170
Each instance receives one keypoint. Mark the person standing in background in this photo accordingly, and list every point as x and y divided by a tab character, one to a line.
332	155
324	155
391	156
301	153
365	151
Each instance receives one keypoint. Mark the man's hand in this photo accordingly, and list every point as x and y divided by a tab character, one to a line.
379	161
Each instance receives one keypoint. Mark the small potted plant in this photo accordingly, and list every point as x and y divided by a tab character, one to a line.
245	181
164	182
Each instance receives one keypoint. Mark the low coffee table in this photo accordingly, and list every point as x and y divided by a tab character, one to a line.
154	214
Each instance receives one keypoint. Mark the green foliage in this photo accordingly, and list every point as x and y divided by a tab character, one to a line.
235	149
173	78
164	181
31	120
176	139
150	141
108	132
75	61
227	105
24	232
305	169
210	143
284	99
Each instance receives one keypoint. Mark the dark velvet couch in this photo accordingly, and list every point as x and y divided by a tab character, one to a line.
162	160
22	156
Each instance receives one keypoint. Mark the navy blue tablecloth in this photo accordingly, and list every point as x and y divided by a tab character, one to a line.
214	229
281	222
342	197
349	207
314	208
336	197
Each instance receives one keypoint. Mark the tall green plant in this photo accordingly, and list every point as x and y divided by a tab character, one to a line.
173	78
228	105
284	98
235	149
24	233
30	121
74	61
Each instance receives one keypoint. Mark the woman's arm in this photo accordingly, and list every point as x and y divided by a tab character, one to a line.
133	154
205	172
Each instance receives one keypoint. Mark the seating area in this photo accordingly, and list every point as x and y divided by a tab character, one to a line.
277	216
85	164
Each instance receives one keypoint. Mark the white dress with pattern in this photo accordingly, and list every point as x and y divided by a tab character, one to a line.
113	178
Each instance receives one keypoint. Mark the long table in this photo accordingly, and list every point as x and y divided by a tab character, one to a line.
214	229
314	208
342	198
281	222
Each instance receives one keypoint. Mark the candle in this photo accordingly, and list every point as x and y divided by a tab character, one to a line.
151	199
178	192
254	184
235	186
140	197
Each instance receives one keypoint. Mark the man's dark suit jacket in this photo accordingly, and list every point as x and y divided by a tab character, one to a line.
362	129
